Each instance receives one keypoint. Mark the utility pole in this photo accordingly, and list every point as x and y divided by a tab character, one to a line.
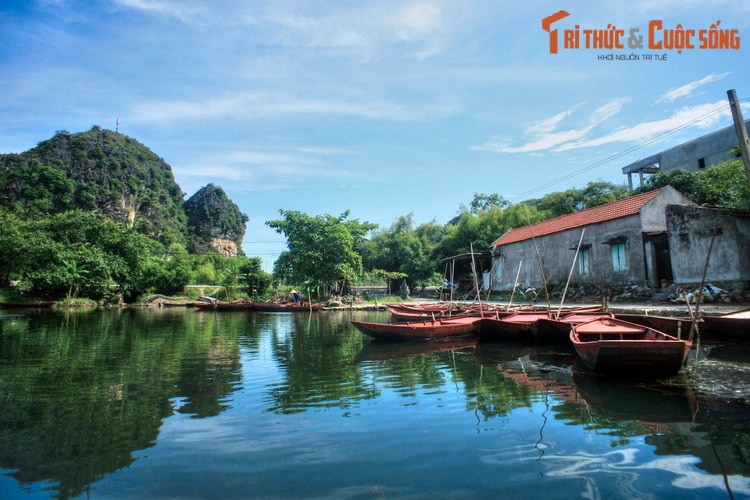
739	126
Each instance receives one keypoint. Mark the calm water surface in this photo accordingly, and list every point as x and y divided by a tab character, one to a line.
175	403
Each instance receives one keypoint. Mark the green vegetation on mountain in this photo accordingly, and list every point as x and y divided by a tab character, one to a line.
98	214
98	171
211	216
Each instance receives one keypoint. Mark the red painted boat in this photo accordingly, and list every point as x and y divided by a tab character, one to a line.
627	349
420	330
517	326
415	315
675	326
558	330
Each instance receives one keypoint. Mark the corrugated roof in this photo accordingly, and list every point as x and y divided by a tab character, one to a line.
602	213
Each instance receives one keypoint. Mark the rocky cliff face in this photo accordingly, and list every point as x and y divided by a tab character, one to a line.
215	223
112	174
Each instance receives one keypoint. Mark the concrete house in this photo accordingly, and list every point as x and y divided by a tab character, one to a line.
624	242
690	231
695	155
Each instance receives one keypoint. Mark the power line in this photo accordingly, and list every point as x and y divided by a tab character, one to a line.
623	153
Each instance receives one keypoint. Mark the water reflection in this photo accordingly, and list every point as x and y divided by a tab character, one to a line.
80	395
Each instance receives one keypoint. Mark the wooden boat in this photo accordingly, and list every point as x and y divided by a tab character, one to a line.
558	330
420	330
413	315
27	305
239	305
518	326
285	307
627	349
675	326
734	325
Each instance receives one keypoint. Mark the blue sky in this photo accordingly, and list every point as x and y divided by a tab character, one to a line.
384	107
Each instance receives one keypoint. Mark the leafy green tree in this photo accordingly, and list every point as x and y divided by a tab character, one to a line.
403	251
12	238
483	202
322	249
79	251
169	272
572	200
724	185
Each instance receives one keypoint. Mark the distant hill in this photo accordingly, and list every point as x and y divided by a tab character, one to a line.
109	173
214	222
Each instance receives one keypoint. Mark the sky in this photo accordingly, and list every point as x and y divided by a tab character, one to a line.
384	108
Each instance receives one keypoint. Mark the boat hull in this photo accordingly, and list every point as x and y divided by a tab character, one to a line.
420	330
627	349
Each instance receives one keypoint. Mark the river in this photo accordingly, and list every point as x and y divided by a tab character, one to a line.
176	403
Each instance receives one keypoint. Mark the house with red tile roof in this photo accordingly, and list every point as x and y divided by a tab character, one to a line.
623	242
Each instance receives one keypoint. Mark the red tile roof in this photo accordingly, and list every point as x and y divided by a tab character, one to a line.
602	213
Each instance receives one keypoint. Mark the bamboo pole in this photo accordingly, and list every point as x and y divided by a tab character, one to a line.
699	297
515	283
570	274
476	283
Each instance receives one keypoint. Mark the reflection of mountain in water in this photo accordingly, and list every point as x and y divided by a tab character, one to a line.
80	394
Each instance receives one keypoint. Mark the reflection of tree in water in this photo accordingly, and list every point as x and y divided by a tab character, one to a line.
79	394
316	352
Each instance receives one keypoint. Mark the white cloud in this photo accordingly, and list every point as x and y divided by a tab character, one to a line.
546	136
269	105
688	89
701	116
163	8
548	125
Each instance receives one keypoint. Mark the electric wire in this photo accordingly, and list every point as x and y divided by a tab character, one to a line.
624	152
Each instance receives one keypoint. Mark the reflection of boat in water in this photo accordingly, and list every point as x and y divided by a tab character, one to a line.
378	351
626	349
420	330
646	404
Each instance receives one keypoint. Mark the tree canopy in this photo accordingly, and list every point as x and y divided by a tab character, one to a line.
322	249
724	185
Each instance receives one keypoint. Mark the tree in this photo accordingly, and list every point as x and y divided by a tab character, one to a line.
79	251
322	249
404	251
482	202
724	185
572	200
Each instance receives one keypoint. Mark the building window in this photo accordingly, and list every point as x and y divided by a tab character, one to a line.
583	261
701	163
619	260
